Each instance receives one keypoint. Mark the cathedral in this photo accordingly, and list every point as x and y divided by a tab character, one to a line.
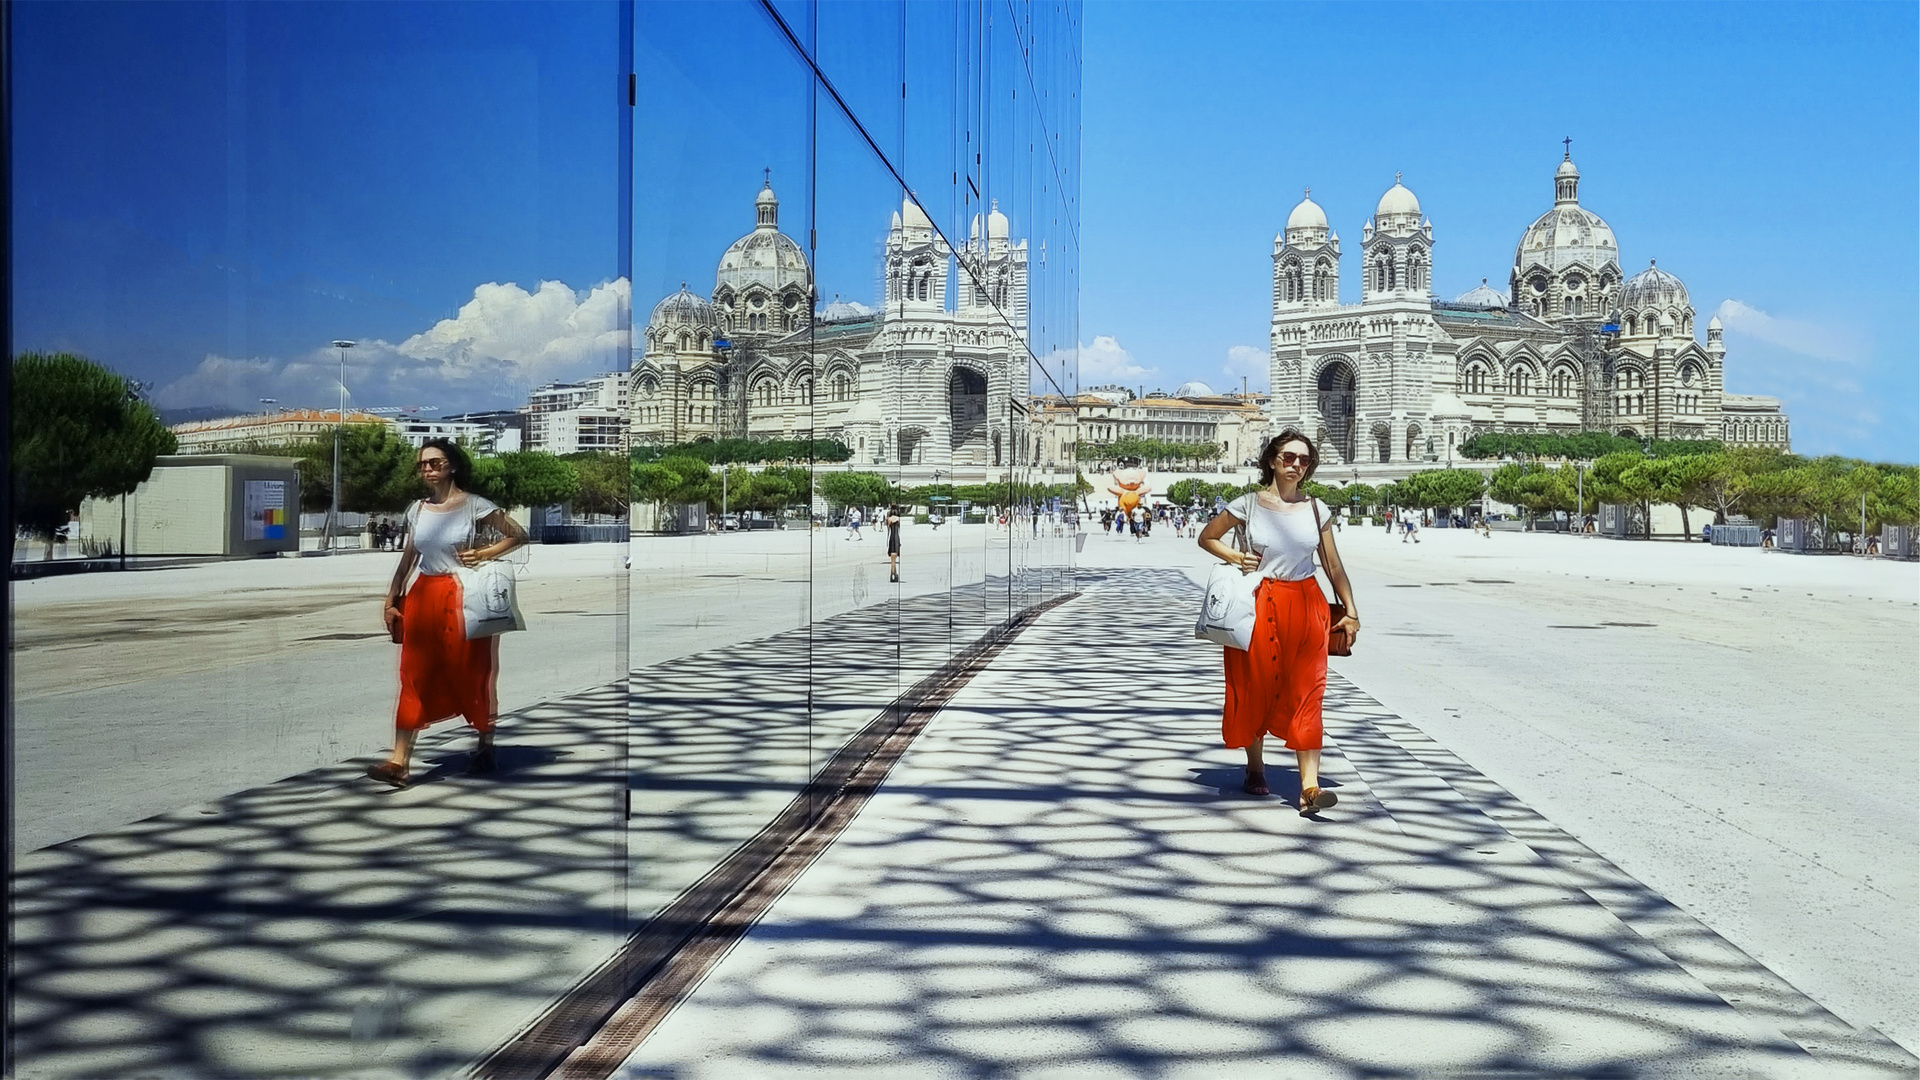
1570	344
935	379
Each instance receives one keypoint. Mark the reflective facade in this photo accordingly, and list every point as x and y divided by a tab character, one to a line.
810	260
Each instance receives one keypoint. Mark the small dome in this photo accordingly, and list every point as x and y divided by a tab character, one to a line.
1483	295
1307	215
683	308
766	196
1713	323
912	217
1193	389
1653	288
1397	201
996	222
1566	169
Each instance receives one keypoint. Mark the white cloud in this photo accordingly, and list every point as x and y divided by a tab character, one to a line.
1842	344
500	344
1245	360
1104	361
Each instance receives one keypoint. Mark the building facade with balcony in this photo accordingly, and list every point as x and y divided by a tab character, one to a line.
569	418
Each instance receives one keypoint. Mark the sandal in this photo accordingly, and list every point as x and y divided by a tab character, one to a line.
1313	800
1255	784
388	773
480	763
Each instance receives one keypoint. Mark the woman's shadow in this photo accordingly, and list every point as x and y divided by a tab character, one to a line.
511	764
1282	780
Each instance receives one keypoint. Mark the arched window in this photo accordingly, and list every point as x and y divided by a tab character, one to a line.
1579	305
1562	383
1476	380
1522	382
1566	305
1320	283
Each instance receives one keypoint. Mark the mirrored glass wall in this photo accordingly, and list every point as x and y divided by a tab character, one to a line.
855	269
755	320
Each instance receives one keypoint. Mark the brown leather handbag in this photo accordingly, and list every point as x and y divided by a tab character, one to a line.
1339	642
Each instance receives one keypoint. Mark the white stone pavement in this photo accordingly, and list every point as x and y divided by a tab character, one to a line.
1684	848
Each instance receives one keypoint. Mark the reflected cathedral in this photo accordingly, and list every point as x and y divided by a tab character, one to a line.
1571	344
936	378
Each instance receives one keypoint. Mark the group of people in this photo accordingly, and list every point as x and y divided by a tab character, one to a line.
388	535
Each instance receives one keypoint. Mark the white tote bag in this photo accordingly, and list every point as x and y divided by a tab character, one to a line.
1227	613
488	596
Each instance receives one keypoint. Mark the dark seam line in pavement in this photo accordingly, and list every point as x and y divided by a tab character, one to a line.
596	1026
1757	992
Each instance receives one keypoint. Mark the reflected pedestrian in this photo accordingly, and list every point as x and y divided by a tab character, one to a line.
442	673
1275	687
894	514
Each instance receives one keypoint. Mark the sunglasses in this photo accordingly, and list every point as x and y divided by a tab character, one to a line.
1288	457
434	463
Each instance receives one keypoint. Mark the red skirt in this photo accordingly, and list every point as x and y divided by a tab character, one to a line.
442	674
1275	686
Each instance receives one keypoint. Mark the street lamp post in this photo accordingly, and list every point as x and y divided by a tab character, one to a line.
339	428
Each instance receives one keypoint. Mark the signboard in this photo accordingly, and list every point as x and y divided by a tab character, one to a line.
267	509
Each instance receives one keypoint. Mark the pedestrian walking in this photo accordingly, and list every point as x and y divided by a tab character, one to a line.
894	513
1411	526
442	673
853	523
1275	686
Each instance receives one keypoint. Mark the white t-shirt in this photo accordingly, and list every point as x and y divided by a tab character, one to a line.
1285	540
440	532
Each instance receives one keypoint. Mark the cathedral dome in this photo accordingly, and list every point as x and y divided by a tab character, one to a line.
1483	295
1193	389
1307	215
683	308
1397	200
1568	234
1653	288
766	256
996	224
912	217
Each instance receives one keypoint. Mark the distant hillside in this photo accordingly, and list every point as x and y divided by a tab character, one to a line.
171	417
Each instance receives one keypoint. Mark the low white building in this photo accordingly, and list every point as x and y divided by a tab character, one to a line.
289	427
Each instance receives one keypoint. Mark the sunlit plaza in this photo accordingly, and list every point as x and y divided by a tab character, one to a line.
640	540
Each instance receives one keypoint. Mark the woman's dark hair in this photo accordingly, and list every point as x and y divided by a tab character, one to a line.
457	459
1271	453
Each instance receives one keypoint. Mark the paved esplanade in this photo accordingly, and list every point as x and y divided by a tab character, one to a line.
1606	809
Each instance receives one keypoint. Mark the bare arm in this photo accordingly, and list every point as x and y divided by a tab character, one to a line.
1342	587
1223	523
408	557
511	537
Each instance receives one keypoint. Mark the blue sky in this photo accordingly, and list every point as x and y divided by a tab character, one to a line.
206	194
1765	153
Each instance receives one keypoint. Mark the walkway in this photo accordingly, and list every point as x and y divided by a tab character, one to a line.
1061	878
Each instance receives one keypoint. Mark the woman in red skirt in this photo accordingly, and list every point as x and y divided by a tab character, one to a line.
1275	686
442	674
